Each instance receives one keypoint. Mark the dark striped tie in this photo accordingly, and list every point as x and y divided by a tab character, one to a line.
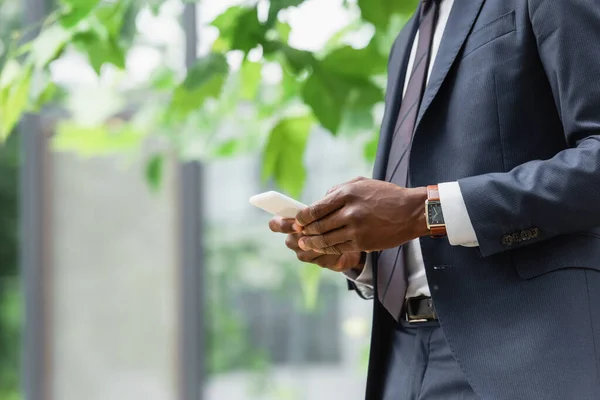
391	272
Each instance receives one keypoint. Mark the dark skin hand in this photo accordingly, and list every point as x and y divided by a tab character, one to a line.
362	215
334	262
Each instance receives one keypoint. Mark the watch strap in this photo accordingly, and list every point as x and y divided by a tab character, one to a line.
433	195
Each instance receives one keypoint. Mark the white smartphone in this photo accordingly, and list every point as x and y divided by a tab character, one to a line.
277	204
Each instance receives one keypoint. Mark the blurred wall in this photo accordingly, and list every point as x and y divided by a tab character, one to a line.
114	269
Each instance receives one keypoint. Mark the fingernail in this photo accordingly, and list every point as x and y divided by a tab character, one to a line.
296	227
302	245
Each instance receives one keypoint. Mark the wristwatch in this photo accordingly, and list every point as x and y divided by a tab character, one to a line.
433	213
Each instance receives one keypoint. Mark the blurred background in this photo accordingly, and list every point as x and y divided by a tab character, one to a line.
132	134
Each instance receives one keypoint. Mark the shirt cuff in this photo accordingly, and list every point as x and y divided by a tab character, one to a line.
458	224
365	277
364	280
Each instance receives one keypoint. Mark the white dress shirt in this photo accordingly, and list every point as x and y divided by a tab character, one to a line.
458	224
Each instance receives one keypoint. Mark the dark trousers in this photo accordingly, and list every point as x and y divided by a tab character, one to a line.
422	366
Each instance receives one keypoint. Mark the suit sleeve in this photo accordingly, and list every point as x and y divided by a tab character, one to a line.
543	199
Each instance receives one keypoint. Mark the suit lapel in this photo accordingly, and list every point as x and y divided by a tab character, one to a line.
462	17
398	64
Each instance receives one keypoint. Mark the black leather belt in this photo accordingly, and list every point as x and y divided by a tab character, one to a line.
420	309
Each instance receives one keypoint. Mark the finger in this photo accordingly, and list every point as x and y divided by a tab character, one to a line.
336	187
324	241
328	261
347	261
339	249
308	256
320	209
282	225
321	226
291	241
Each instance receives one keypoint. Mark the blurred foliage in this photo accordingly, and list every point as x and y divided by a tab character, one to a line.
225	325
10	328
10	304
336	88
9	170
234	260
247	277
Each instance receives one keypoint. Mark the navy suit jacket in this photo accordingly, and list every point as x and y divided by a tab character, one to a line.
511	112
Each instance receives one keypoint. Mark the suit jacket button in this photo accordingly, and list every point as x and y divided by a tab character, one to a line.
507	240
516	237
535	232
526	234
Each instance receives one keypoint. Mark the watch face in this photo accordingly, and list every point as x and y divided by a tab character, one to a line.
435	215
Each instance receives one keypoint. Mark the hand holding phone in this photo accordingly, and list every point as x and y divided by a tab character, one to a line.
277	204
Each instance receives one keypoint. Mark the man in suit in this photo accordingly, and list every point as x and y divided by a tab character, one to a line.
479	236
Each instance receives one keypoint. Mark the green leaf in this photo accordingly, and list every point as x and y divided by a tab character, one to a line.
221	45
226	21
326	95
112	16
356	62
283	30
163	79
154	172
298	60
356	121
154	6
378	12
76	10
331	95
364	94
42	91
291	85
110	52
250	75
239	29
205	79
277	5
283	154
96	140
13	102
100	51
248	140
384	38
204	69
185	101
49	44
47	96
10	73
80	3
358	111
228	148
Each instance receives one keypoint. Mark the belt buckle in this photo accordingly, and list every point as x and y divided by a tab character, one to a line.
416	321
419	320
